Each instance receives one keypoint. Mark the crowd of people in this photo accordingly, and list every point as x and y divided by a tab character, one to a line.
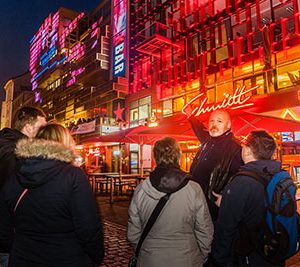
208	217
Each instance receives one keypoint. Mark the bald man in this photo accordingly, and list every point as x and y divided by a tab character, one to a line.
217	145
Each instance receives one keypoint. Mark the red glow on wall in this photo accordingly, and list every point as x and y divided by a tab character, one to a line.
244	33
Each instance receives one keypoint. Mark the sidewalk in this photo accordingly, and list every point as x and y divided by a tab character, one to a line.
117	248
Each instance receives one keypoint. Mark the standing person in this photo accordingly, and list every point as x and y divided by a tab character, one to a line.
26	124
181	235
56	221
217	144
242	206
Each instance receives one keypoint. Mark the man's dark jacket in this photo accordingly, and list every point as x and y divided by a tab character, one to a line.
211	152
242	207
8	139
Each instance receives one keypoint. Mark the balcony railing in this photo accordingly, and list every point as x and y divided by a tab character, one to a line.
154	38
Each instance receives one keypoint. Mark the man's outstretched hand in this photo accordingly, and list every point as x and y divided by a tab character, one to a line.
188	111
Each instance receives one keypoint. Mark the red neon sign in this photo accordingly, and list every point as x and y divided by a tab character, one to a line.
235	101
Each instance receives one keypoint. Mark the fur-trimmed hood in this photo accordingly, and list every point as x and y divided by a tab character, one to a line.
39	160
28	148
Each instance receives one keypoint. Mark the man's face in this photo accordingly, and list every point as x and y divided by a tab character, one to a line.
219	123
33	129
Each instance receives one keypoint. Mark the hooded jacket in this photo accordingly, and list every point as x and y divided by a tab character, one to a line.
56	222
242	206
182	234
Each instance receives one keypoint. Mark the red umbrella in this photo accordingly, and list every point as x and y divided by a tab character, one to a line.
243	123
180	129
123	136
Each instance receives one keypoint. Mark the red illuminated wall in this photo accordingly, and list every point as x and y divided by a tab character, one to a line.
204	37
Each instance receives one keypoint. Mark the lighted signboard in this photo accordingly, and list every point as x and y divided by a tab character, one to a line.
239	99
297	136
287	136
119	38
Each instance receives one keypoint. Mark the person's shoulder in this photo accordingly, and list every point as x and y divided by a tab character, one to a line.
235	141
243	181
74	170
194	186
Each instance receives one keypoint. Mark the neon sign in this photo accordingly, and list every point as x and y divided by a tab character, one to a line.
238	100
119	38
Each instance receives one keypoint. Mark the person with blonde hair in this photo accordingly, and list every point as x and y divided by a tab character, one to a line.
181	235
54	211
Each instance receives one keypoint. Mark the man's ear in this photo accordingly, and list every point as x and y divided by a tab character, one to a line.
249	152
229	124
27	129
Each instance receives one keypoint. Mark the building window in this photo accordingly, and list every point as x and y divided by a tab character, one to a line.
222	34
167	107
178	104
288	75
139	111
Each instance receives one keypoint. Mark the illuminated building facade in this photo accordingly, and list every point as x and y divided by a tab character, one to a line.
70	73
182	48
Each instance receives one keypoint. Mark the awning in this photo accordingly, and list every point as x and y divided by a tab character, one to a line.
124	136
180	129
243	123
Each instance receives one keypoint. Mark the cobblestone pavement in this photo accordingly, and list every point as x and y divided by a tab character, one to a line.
117	248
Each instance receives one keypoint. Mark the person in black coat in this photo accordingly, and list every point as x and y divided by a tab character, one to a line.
56	221
26	124
217	143
242	206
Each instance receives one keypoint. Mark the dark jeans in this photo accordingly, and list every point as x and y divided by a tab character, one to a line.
253	260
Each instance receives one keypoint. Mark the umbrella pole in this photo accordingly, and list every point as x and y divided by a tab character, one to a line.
121	159
141	160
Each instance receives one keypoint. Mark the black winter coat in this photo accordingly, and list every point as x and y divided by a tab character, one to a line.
8	140
211	152
56	222
242	207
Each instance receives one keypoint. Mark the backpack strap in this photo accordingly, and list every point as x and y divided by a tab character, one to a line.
155	213
259	177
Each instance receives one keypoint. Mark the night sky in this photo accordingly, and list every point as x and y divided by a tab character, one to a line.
19	21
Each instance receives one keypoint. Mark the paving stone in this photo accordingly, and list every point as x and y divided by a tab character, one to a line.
118	249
